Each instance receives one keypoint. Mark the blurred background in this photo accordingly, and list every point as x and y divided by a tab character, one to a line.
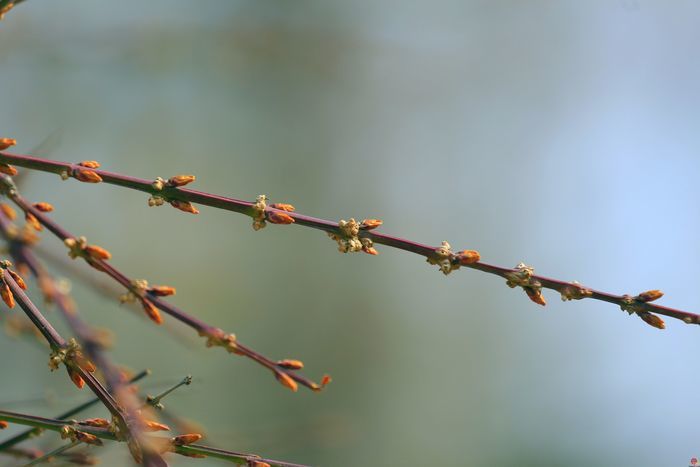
561	134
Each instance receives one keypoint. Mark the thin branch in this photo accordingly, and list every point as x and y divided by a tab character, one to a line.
128	425
448	261
287	375
173	444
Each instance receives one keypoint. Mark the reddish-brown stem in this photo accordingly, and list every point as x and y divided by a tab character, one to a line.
246	207
198	325
56	342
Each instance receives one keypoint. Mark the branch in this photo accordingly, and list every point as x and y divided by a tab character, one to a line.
183	444
284	370
350	235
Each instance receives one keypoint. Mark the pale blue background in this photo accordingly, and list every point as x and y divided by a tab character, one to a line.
563	134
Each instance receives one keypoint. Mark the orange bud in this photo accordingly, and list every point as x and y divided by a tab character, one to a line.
155	426
183	440
468	257
286	380
6	295
652	320
185	206
152	312
649	295
90	164
33	222
258	464
326	380
181	180
96	422
369	224
7	143
8	211
97	252
3	424
283	207
84	363
279	218
43	207
291	364
8	170
87	176
87	438
18	279
76	378
371	251
162	290
535	295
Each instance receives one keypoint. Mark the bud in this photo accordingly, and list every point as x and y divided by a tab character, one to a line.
76	378
181	180
155	426
652	320
258	464
185	206
370	251
283	207
96	422
87	176
83	362
152	312
97	252
279	218
535	294
649	295
87	438
286	380
43	207
162	290
369	224
33	222
468	257
7	143
90	164
184	440
291	364
326	380
8	211
8	170
20	282
6	295
3	424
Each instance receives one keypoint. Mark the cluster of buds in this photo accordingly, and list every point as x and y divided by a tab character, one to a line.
84	172
522	277
139	289
7	142
5	292
79	247
72	357
637	303
218	338
261	213
348	236
575	291
449	261
75	435
160	184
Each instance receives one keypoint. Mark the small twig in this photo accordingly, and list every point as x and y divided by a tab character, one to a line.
155	401
54	453
173	444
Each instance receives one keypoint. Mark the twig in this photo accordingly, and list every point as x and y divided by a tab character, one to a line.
177	444
447	260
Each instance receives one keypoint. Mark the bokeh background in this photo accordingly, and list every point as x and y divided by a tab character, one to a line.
562	134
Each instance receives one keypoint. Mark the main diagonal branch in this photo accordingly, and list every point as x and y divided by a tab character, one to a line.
521	276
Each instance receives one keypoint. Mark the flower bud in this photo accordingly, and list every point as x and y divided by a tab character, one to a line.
152	312
279	218
649	295
7	143
8	170
43	207
97	252
283	207
369	224
162	290
468	257
87	176
286	381
89	164
291	364
184	440
8	211
181	180
184	206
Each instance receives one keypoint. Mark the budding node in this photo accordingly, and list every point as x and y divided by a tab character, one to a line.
522	276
